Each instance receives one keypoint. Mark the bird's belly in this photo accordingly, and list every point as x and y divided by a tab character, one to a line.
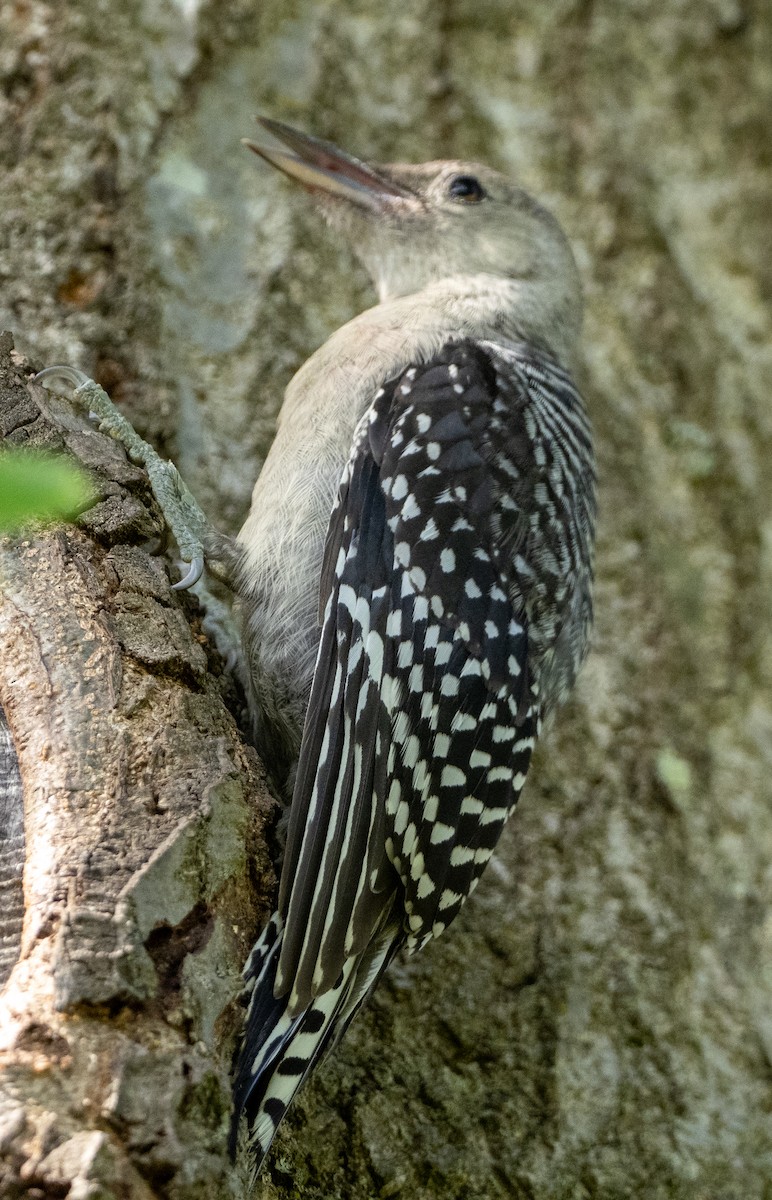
283	536
283	540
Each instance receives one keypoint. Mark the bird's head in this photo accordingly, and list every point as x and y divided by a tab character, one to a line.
415	225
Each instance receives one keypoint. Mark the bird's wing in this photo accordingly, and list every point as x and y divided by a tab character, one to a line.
424	707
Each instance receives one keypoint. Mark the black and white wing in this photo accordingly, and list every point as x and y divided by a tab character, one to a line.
456	581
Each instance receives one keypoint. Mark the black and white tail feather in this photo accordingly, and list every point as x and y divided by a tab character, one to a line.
455	599
284	1049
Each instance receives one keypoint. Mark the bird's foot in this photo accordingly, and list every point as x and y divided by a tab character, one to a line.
187	521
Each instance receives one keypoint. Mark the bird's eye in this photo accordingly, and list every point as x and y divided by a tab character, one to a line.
466	188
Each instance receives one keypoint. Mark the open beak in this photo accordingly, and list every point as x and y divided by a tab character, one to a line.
322	168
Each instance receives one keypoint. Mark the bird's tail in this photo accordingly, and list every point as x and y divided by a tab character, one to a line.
279	1051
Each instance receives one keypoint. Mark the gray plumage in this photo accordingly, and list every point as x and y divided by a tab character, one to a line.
415	580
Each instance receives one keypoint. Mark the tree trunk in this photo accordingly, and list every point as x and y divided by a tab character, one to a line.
598	1021
142	820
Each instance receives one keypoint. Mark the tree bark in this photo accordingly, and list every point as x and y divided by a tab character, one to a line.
11	853
598	1022
144	872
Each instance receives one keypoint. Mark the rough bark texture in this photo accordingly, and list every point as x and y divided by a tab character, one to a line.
598	1023
142	818
11	853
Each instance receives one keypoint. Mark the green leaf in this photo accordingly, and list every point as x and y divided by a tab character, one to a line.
40	487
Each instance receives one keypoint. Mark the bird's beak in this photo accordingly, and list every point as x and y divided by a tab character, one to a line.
322	168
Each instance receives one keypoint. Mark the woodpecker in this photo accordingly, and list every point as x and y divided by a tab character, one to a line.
415	575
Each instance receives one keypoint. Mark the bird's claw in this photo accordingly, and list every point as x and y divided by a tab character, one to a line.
194	573
68	374
181	512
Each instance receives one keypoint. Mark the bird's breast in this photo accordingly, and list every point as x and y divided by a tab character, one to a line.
283	537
